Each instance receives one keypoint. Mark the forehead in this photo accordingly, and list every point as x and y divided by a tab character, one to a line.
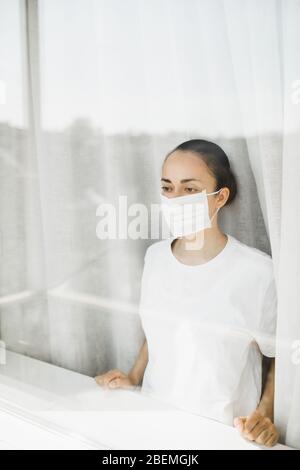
183	165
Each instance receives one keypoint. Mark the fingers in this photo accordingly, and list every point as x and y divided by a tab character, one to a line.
253	420
122	382
258	428
272	440
268	436
264	436
114	379
239	423
115	383
105	379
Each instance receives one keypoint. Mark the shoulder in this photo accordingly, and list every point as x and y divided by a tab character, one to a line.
253	259
251	252
157	248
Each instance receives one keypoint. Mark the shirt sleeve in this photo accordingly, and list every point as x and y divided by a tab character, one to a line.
266	334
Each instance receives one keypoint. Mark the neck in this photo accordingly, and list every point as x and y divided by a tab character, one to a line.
200	247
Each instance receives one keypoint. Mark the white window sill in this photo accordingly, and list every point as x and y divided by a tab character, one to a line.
47	407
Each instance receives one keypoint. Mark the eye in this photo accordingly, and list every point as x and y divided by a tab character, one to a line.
191	190
166	188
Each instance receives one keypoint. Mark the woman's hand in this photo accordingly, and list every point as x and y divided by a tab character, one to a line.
257	427
115	379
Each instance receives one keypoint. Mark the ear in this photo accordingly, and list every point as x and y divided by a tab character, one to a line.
223	196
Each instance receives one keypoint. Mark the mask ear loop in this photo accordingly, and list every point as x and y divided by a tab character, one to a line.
215	192
215	214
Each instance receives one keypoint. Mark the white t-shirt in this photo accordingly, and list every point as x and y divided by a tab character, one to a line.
207	327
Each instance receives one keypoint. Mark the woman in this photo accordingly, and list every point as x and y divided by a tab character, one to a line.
208	304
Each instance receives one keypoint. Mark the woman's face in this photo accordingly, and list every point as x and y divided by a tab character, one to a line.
185	173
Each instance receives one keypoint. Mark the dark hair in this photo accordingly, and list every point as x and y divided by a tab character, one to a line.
216	161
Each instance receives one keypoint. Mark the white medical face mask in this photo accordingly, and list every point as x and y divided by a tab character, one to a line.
185	215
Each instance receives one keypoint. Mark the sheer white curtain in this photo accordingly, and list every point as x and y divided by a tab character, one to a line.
112	86
288	363
267	76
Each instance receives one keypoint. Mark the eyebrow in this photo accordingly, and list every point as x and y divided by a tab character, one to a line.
186	180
